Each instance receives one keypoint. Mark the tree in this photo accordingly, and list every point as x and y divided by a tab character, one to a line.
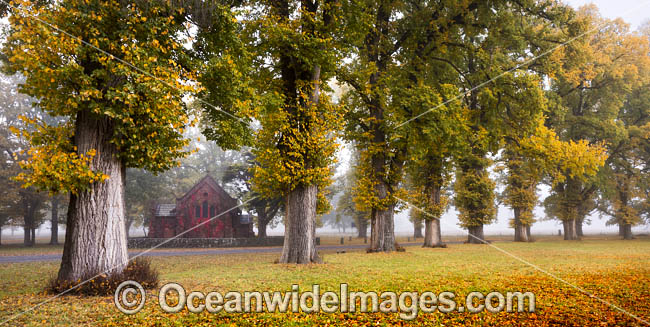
55	209
623	192
296	144
276	70
433	142
239	177
345	205
391	46
142	190
9	199
491	54
541	154
25	203
417	220
124	105
588	92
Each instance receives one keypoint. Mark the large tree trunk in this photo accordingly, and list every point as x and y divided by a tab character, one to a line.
54	236
627	232
382	225
95	240
570	230
521	230
300	227
33	237
432	235
528	234
621	229
382	230
475	235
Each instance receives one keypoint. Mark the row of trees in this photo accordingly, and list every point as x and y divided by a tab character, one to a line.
572	119
433	92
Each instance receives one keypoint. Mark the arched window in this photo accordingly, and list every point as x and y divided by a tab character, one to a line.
213	211
197	211
205	209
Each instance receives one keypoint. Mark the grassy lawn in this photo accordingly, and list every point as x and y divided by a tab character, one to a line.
615	271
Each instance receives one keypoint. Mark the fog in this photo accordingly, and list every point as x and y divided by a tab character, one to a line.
632	11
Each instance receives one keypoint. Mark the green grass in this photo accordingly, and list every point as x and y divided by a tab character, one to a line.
615	271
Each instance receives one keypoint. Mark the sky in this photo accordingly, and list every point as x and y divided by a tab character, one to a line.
635	12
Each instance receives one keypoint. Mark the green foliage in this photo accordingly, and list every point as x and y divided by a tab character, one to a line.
238	176
224	55
597	75
66	77
296	144
346	207
295	149
18	205
474	197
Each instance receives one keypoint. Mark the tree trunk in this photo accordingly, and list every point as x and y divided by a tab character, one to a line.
417	229
432	233
475	235
362	228
521	233
33	240
521	230
382	231
27	239
528	234
127	225
262	222
95	240
54	236
382	224
570	230
300	227
627	232
579	227
621	229
28	220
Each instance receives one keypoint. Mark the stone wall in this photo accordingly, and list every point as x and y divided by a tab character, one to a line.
144	242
